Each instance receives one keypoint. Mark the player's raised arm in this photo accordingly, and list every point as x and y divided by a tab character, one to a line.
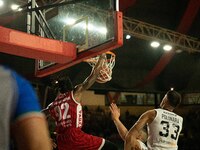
122	130
90	80
131	137
115	113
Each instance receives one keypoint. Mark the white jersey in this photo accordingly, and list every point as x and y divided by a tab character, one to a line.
164	130
142	145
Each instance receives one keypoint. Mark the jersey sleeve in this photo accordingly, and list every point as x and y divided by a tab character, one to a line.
27	100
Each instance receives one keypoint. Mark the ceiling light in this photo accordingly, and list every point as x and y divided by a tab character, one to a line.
155	44
167	47
1	3
14	6
128	36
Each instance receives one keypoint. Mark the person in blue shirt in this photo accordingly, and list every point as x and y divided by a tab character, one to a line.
22	124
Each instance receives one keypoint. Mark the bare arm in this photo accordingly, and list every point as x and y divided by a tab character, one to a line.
90	80
115	112
131	138
31	133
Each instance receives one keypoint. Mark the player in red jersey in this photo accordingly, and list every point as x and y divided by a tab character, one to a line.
66	110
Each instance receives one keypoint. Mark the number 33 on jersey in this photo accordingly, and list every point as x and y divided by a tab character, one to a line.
165	129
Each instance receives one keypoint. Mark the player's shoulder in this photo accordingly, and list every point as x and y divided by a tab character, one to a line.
14	78
6	72
149	115
150	112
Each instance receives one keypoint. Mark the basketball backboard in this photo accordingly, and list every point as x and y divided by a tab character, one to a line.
93	26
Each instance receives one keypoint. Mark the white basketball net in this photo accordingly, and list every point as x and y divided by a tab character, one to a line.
106	71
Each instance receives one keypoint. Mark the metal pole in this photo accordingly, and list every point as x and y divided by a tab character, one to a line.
28	24
33	4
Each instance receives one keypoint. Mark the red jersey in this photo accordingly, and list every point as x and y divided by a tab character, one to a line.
66	112
68	115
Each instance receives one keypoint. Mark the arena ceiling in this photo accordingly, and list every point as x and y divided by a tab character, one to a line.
139	67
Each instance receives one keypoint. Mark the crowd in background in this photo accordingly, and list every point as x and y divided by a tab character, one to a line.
189	139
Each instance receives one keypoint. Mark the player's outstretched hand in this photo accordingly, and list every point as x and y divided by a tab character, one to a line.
115	111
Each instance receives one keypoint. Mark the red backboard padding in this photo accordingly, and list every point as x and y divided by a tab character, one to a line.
30	46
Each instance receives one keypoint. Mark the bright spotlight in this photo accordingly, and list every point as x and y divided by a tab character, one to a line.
167	47
171	89
103	30
155	44
128	36
1	3
69	21
14	6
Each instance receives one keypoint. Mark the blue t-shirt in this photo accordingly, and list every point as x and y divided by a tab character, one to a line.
17	100
27	100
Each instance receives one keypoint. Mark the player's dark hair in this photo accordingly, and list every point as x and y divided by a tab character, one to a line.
174	98
65	85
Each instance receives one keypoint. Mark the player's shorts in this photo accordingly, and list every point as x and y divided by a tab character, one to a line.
76	139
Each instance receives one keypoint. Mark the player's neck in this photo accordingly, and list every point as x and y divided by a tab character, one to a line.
169	109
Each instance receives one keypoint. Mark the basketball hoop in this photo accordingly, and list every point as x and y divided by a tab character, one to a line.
106	71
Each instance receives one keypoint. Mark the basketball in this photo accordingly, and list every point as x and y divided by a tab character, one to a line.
105	75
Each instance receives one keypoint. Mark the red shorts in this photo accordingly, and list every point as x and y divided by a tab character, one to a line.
75	139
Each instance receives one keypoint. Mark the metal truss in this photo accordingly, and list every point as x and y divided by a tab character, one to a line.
147	31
